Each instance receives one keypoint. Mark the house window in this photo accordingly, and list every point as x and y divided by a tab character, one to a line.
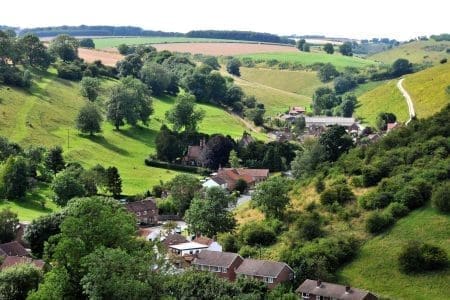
224	270
191	252
319	298
268	279
305	295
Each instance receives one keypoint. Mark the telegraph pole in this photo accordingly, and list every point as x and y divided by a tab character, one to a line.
68	145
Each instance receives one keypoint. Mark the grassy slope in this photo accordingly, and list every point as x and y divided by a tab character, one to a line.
384	98
279	89
427	89
45	115
415	52
308	58
110	42
376	269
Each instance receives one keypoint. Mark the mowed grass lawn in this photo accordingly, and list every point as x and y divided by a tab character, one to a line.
111	42
45	116
415	52
376	267
309	58
428	89
384	98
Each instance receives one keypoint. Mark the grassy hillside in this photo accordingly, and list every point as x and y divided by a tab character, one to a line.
46	116
110	42
309	58
416	52
384	98
279	89
427	89
376	269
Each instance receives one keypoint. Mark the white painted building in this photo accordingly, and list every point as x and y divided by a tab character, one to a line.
188	248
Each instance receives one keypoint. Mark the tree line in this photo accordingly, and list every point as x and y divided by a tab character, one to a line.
239	35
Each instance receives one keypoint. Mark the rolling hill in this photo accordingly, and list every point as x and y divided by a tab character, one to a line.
416	52
45	115
427	89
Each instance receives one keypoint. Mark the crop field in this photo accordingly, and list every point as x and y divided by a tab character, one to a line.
416	52
309	58
108	58
375	268
428	89
384	98
46	116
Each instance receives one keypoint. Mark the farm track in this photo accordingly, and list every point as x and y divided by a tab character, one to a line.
408	99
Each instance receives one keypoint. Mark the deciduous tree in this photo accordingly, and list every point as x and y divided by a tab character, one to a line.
272	196
89	119
8	224
184	114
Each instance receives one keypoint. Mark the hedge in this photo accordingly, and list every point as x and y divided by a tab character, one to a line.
176	167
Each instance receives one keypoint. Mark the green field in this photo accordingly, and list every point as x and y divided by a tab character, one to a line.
31	207
46	116
427	89
279	89
309	58
384	98
375	268
415	52
111	42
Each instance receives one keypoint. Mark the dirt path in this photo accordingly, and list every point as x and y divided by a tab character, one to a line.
408	99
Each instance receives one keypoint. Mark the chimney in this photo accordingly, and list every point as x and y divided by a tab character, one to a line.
347	289
319	283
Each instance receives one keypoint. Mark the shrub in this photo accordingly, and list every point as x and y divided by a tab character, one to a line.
418	257
357	181
371	176
443	61
229	242
378	222
375	200
248	251
257	234
339	193
441	198
309	227
397	210
410	196
319	185
69	71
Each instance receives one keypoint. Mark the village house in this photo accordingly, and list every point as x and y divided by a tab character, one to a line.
325	121
246	140
270	272
173	239
13	248
223	264
228	177
193	155
145	211
187	248
11	261
297	110
212	244
318	290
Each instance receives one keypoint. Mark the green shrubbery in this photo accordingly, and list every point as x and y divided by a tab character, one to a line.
419	257
378	222
441	198
339	193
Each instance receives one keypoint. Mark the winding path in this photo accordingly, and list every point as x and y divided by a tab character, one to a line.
407	97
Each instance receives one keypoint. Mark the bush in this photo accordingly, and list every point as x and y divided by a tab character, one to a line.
248	251
175	167
257	234
443	61
410	196
418	257
397	210
357	181
309	227
69	71
229	242
339	193
378	222
441	198
371	176
375	200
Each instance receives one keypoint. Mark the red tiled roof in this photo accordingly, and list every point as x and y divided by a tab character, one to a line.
16	260
13	248
203	240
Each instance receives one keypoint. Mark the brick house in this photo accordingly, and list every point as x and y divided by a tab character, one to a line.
145	211
318	290
223	264
193	155
230	176
270	272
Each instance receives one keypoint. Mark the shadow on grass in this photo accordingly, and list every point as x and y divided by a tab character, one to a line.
144	135
98	139
33	201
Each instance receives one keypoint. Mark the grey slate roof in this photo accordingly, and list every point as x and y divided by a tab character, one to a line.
333	290
147	204
215	258
261	268
13	248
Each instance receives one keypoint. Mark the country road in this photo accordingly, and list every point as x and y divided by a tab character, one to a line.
407	97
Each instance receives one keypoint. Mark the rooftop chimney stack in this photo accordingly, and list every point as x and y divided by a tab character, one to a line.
319	283
347	289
